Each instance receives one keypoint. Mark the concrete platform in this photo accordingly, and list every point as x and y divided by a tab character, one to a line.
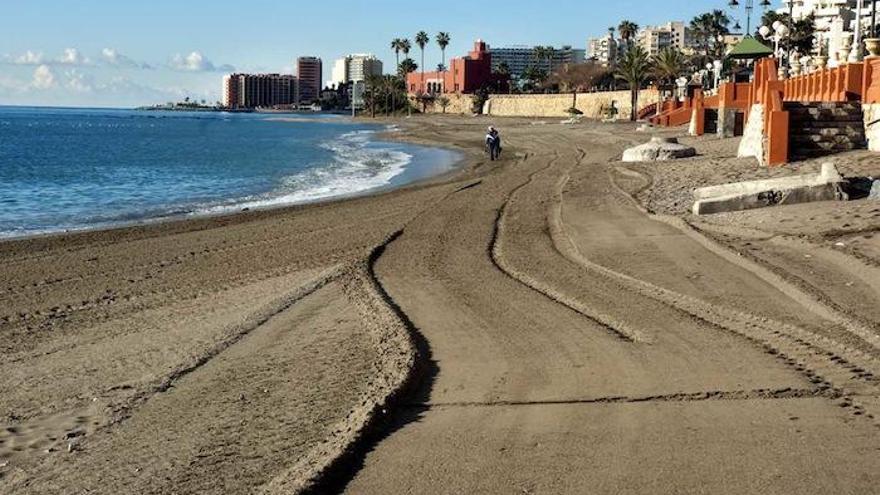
738	196
657	150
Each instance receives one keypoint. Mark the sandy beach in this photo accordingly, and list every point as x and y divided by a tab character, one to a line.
554	322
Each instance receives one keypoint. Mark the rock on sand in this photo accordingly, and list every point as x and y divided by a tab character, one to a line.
658	149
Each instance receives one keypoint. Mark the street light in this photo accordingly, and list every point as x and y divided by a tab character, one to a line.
750	5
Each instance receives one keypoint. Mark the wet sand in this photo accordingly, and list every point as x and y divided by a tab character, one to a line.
521	326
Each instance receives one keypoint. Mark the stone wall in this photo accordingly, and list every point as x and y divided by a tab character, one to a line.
592	104
458	104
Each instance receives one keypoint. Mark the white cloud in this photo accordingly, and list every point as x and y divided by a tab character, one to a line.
72	56
27	58
196	62
77	81
43	78
113	58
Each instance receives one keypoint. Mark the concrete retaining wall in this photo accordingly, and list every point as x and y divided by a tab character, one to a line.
592	104
458	104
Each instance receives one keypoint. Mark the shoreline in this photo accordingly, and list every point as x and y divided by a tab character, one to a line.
458	164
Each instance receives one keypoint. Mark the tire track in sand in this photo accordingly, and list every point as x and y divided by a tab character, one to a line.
831	366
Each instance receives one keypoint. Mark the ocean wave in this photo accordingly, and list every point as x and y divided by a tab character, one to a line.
358	164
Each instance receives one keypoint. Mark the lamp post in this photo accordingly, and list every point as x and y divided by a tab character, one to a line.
856	54
749	5
873	43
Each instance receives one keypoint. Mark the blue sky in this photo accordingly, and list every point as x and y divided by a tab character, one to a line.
127	52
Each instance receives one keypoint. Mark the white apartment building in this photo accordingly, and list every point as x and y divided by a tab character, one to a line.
655	38
603	50
355	68
834	19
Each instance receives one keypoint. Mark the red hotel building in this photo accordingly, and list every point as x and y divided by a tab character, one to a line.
464	75
309	71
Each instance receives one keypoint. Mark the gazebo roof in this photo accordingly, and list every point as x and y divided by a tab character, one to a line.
750	48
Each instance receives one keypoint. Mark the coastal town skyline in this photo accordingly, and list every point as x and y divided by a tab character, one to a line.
96	56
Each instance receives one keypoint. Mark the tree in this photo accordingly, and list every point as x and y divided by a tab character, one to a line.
627	30
443	102
372	92
443	40
397	46
707	28
532	77
634	68
407	67
669	65
503	70
422	41
802	31
574	78
405	47
545	53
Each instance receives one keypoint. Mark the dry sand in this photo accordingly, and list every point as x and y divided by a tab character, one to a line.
524	326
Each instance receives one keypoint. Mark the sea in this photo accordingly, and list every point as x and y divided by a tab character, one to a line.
64	169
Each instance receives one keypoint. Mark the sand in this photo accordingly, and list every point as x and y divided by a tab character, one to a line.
550	323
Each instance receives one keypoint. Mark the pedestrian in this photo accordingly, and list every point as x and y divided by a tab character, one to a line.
493	143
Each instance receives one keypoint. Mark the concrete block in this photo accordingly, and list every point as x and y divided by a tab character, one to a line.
738	196
752	143
657	150
874	195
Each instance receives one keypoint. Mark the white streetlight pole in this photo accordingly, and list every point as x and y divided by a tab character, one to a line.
856	54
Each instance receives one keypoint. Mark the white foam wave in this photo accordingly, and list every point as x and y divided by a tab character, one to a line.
358	165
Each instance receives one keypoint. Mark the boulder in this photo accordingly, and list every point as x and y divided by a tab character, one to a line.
824	186
657	150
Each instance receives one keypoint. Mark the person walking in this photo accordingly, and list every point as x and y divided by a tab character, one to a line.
493	144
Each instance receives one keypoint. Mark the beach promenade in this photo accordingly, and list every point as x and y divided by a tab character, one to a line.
538	330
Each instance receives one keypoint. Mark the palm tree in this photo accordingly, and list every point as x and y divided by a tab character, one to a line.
397	45
545	53
422	41
708	27
405	47
634	67
669	64
407	66
627	30
549	53
504	71
443	40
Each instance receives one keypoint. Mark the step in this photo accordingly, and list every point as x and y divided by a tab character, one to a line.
826	115
826	124
823	105
830	131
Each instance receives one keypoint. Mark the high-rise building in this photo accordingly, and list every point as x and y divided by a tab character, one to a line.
309	72
672	34
356	68
604	49
259	90
353	71
519	58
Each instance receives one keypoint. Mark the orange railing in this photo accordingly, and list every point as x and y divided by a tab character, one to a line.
840	84
647	111
674	113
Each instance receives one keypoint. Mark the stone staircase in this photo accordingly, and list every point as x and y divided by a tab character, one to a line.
820	129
